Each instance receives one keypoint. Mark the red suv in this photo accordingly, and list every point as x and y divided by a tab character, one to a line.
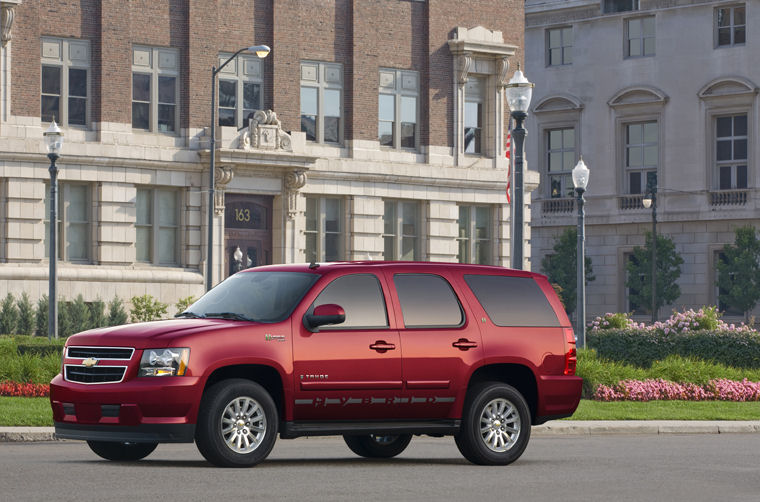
374	351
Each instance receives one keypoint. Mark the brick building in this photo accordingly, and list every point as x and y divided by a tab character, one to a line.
373	130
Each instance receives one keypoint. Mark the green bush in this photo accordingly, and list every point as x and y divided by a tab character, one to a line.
146	308
116	313
29	359
740	349
8	316
183	303
25	315
41	316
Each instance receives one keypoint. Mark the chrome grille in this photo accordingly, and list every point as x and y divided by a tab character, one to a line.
100	353
96	374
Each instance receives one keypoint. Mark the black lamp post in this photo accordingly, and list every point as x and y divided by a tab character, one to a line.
54	141
261	51
580	181
650	200
519	91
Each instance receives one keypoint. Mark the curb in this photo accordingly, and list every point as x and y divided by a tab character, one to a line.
550	429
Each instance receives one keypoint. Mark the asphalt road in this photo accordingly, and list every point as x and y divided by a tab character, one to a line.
694	467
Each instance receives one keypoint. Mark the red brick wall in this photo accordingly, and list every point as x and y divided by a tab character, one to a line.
362	35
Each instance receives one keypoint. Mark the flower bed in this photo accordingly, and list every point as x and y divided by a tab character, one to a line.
15	389
651	390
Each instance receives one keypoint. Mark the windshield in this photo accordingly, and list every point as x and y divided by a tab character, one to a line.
254	296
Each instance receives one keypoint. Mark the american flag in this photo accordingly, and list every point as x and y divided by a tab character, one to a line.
508	155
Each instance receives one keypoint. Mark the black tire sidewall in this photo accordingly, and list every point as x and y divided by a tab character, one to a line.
208	436
365	446
121	452
469	440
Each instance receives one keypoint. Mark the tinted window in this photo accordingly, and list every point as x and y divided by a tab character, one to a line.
361	297
512	301
427	300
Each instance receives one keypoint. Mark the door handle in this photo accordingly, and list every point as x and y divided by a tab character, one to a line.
382	346
464	344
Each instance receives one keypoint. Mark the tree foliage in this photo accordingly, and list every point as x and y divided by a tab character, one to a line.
562	267
146	308
739	271
668	271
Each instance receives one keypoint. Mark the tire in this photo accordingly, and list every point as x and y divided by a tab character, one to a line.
378	446
237	424
495	425
121	452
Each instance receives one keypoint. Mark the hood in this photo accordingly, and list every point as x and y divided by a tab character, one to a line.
154	334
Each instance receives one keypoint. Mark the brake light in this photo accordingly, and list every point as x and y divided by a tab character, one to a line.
571	358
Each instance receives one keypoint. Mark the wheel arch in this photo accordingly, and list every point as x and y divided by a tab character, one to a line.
266	376
518	376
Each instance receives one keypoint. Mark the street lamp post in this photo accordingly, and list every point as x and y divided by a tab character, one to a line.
651	201
580	181
261	51
54	142
519	91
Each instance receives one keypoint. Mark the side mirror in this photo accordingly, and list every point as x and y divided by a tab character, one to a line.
328	313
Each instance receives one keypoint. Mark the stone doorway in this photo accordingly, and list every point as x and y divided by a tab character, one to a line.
247	231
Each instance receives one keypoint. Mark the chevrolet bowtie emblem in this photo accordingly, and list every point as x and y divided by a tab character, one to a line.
90	362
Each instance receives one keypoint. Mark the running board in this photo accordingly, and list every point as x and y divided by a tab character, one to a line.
290	430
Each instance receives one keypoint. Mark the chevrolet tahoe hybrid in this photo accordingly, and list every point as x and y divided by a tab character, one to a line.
374	351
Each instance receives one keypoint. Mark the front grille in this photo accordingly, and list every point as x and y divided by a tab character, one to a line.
118	353
97	374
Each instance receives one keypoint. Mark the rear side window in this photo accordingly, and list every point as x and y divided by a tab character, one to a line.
512	301
427	301
361	296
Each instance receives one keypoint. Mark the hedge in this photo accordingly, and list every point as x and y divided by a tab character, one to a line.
642	348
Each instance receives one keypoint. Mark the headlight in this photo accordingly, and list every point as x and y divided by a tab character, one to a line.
164	362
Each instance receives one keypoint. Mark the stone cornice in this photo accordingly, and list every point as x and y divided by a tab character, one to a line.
85	160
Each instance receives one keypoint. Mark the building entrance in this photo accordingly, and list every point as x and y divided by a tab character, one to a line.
247	231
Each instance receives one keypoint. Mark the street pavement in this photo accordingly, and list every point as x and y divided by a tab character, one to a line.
552	428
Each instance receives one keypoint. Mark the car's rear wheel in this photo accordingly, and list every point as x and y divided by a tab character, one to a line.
237	424
377	445
495	425
121	452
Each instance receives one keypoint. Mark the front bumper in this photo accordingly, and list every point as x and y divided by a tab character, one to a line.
162	409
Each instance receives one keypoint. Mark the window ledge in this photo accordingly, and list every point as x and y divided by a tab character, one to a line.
721	198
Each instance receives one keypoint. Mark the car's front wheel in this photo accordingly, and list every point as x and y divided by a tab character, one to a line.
378	446
121	452
495	425
237	424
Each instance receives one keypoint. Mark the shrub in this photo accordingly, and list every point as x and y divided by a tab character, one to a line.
25	315
8	316
116	313
78	317
183	303
146	308
98	317
41	316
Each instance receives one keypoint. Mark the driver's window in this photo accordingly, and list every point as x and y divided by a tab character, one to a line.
361	297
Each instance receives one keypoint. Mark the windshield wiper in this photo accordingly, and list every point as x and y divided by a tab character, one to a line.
189	314
229	315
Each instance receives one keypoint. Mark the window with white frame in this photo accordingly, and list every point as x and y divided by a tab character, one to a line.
401	230
155	89
730	152
397	108
324	229
239	90
74	222
641	155
474	239
322	102
559	46
157	225
640	37
560	160
612	6
474	99
730	26
65	81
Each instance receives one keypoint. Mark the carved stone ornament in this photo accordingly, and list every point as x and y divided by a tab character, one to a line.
222	176
265	133
294	181
503	70
465	61
7	21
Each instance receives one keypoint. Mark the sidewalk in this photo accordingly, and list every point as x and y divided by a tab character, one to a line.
549	429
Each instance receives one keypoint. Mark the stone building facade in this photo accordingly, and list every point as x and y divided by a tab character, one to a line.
373	130
645	90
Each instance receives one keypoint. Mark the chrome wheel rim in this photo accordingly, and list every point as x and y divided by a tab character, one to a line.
499	425
243	424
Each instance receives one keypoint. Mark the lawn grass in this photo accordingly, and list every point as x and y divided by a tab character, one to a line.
667	410
25	411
